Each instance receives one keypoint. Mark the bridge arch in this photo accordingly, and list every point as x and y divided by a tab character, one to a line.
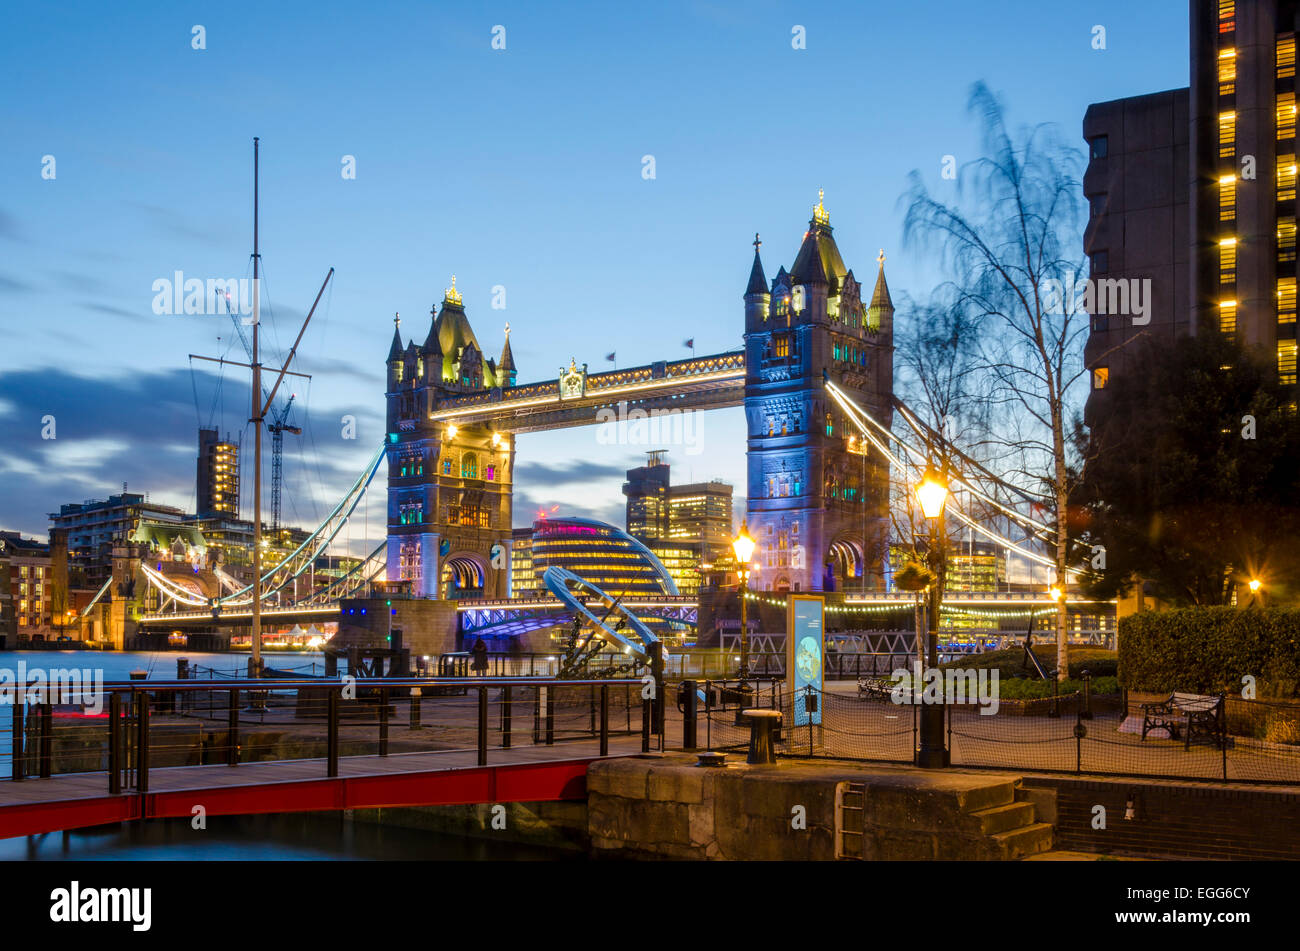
464	575
846	558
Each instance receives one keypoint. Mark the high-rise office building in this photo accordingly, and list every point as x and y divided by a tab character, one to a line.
700	512
524	582
1195	190
218	475
646	489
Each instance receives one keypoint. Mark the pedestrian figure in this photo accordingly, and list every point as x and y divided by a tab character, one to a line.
479	653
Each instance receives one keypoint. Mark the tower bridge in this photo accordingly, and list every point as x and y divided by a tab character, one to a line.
817	504
814	376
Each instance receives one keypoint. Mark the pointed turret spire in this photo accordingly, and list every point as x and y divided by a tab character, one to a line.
880	312
757	280
395	351
880	296
431	345
507	364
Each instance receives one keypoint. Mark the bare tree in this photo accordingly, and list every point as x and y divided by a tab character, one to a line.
1011	244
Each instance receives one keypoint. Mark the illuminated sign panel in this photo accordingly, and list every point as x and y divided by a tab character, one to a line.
804	654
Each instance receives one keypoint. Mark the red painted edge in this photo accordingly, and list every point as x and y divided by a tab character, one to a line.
517	782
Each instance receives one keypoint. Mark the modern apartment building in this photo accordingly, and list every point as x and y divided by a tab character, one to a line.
1194	190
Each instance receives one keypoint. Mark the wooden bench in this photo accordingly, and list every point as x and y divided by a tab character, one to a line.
1196	714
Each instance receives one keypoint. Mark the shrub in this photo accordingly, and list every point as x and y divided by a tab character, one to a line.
1211	649
1282	728
1010	663
1039	689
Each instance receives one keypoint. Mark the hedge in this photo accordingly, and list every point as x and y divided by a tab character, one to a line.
1211	649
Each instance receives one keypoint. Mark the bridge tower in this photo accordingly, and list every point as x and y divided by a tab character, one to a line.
817	498
449	487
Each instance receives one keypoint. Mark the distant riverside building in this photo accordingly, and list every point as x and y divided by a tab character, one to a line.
218	475
700	512
686	526
646	489
1195	190
28	604
93	527
976	566
524	582
682	561
598	552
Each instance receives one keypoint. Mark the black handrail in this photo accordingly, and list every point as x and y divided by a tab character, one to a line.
129	704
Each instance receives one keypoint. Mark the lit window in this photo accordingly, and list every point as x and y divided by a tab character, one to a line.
1228	316
1286	115
1285	56
1227	134
1227	198
1286	238
1227	73
1286	300
1227	260
1286	357
1286	168
1100	377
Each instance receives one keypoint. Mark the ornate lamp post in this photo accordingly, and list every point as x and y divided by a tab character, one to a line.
743	545
932	494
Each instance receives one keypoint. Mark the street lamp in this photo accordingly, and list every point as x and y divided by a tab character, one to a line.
743	545
932	494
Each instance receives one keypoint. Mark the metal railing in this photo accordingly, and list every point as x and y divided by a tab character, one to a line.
135	727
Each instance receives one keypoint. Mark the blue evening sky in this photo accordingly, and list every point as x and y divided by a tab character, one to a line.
520	168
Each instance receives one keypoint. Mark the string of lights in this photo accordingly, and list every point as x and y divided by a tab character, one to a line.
946	609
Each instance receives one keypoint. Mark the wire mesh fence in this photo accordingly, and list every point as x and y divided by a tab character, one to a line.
1258	741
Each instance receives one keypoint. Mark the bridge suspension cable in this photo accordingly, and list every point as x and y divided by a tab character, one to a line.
861	418
296	562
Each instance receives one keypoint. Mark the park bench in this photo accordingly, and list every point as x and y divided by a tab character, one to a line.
1195	714
881	688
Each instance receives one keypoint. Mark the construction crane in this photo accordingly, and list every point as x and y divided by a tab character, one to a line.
277	429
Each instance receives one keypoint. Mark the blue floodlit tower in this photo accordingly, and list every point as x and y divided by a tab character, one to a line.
817	500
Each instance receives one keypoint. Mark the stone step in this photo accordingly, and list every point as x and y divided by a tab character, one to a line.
1018	843
1014	815
993	794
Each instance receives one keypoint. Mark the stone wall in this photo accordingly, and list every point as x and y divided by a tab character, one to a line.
428	627
1176	820
667	807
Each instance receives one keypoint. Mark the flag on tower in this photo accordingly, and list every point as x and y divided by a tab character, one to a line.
689	343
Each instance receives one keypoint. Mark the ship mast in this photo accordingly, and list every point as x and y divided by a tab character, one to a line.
255	662
257	417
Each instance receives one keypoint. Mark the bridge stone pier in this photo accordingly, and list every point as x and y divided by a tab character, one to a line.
817	500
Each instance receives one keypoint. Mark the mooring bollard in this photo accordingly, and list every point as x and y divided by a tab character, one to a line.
761	722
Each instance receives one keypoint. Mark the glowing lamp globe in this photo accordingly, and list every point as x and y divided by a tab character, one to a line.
932	493
1255	585
743	545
